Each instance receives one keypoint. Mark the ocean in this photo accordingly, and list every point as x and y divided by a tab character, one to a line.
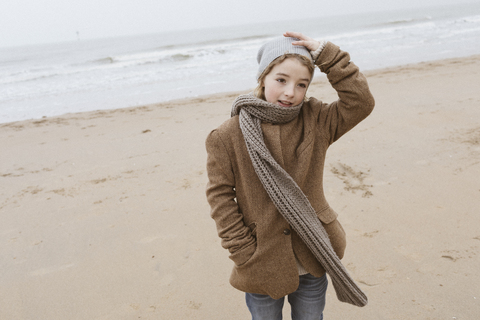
85	75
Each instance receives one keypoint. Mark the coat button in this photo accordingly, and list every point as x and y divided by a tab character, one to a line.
286	232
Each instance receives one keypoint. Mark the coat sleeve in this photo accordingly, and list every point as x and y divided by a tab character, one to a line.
236	237
355	101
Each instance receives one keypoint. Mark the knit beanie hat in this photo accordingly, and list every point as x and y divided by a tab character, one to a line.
276	48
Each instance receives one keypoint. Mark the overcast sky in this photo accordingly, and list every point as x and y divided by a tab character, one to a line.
39	21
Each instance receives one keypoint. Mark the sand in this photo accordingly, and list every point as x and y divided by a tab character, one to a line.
104	216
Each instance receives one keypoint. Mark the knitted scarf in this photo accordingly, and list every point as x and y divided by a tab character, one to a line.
287	196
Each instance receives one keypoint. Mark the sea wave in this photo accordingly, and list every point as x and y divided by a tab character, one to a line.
159	56
407	21
471	19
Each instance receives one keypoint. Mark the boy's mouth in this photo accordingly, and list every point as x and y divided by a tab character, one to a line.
285	103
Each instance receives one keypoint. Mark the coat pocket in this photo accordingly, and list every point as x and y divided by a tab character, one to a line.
334	229
253	229
327	215
242	256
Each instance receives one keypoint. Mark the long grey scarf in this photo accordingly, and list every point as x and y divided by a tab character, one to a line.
287	196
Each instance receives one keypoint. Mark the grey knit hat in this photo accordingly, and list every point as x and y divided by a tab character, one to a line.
276	48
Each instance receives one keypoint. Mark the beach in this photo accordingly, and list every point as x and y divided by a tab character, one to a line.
104	214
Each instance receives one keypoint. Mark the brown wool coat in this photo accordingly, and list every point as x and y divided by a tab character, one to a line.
261	243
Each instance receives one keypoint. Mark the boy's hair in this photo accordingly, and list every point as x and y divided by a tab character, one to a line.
259	91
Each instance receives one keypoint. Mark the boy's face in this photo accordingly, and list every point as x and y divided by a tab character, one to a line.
287	83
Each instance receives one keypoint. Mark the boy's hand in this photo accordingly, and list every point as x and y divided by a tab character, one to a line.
307	42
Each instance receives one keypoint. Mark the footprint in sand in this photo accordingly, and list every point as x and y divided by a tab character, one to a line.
353	180
454	255
186	184
371	234
469	138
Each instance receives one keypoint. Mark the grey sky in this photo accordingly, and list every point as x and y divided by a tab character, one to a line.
38	21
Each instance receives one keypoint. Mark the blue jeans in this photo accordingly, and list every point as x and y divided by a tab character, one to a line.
307	303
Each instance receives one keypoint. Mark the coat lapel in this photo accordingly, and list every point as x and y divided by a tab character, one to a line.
298	148
271	135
